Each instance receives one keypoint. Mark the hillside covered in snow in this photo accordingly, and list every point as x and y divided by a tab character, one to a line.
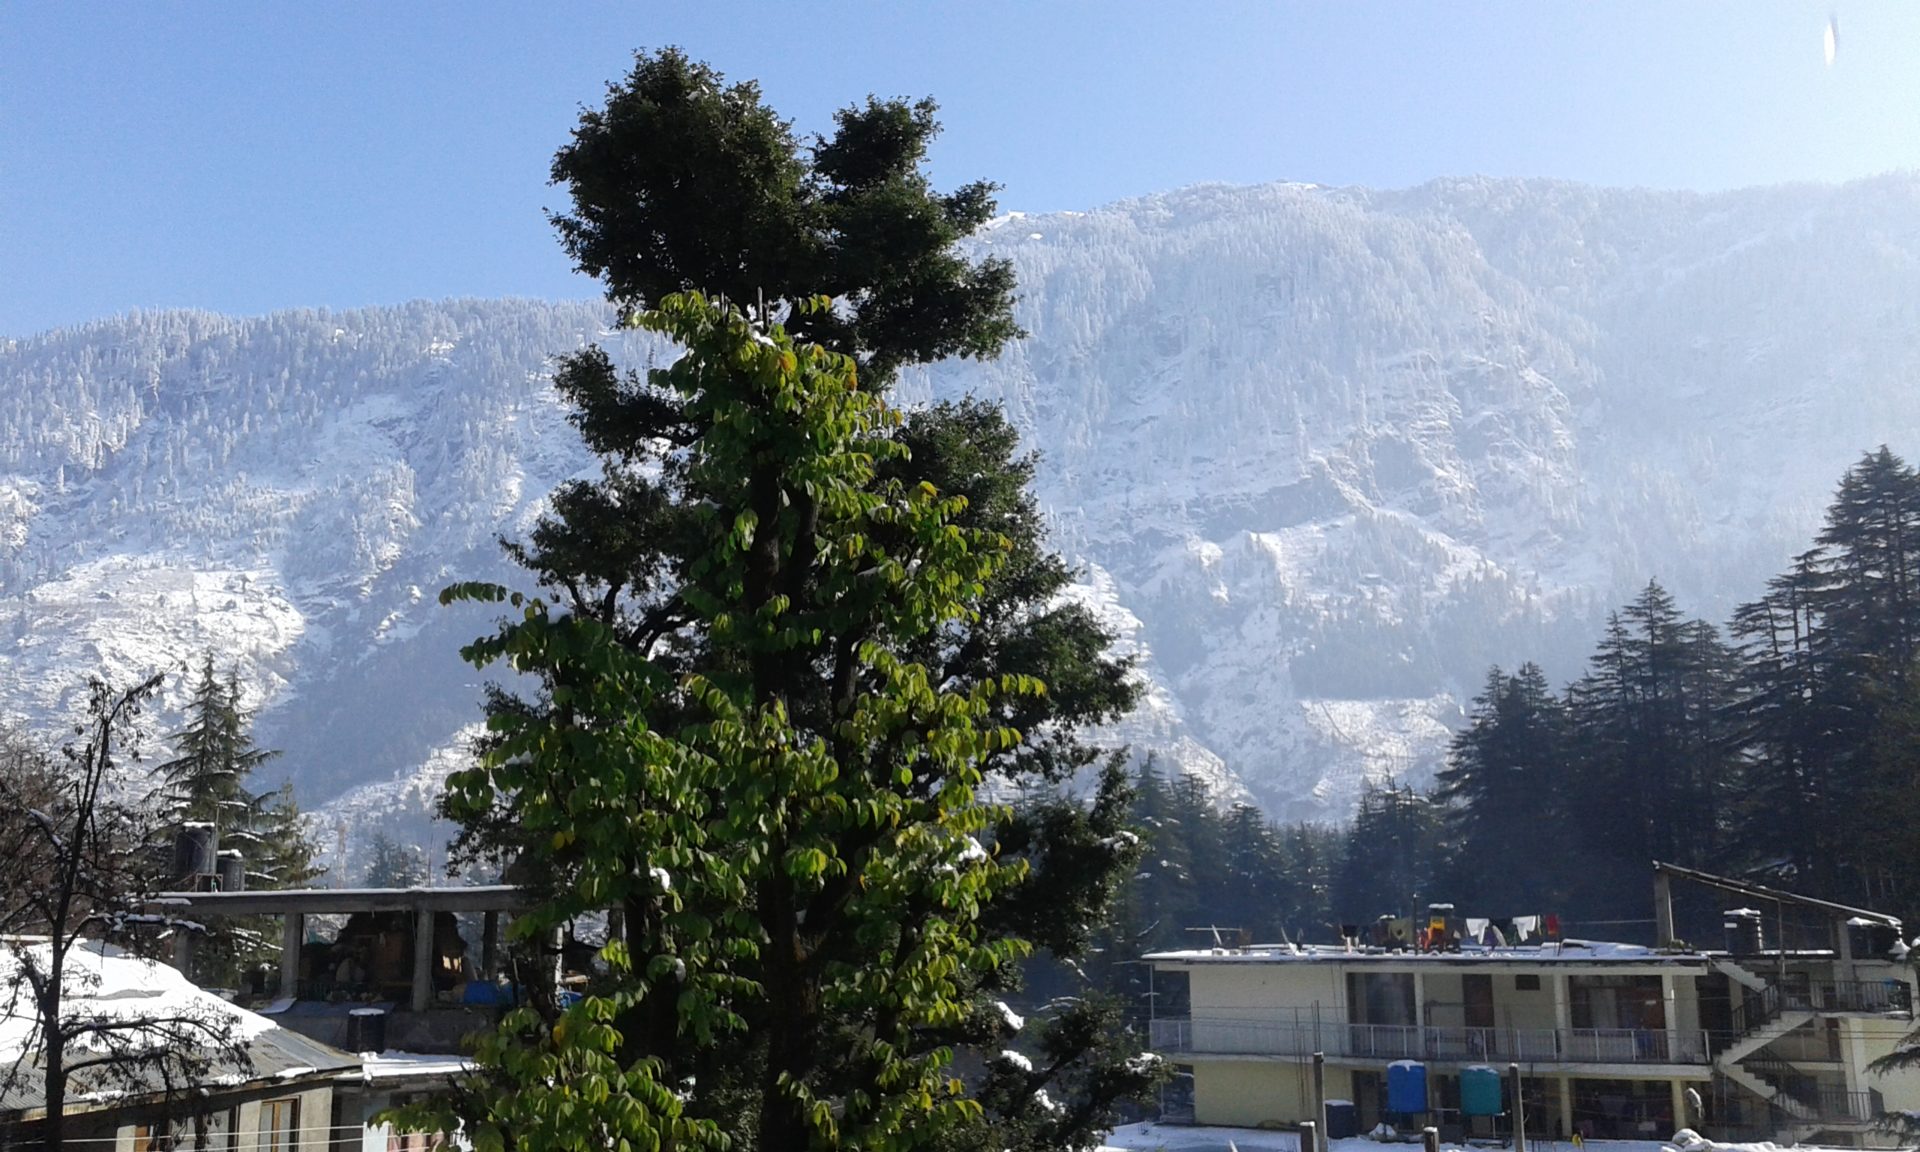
1323	454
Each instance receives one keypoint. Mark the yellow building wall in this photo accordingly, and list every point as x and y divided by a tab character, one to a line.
1444	995
1514	1007
1266	991
1260	1093
1866	1039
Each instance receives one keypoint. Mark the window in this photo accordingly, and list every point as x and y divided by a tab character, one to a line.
280	1125
1526	982
148	1138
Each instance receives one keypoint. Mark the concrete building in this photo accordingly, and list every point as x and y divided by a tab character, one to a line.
397	958
1612	1040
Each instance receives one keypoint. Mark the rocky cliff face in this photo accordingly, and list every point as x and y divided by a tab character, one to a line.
1323	454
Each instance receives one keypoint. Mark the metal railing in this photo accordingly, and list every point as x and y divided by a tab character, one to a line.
1758	1009
1839	1106
1254	1037
1862	996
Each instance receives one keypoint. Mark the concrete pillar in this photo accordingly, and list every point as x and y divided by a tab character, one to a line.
1320	1099
183	951
1843	951
1680	1117
1662	909
1562	1013
1519	1105
1420	1008
1565	1086
1669	1007
422	960
293	933
1853	1053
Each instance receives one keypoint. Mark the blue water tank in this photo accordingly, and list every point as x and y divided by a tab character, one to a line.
1406	1087
1480	1091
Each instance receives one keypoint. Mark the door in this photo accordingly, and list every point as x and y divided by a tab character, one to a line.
1478	993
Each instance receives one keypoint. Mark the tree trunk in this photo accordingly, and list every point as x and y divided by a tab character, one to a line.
792	1020
53	1131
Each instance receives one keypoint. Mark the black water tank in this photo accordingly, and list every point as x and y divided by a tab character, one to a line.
196	849
1343	1121
367	1030
1744	935
233	871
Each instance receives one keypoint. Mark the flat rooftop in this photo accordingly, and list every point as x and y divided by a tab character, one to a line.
1565	952
324	901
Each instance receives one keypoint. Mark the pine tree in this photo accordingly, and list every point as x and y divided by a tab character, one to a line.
1781	729
1826	651
1504	791
286	852
1392	854
1652	764
393	865
208	780
214	755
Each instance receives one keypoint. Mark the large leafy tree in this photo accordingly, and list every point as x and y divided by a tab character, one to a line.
782	807
685	182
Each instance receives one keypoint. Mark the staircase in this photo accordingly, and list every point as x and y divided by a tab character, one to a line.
1740	974
1760	1022
1760	1036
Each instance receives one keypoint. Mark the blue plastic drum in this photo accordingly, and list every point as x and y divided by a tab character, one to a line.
1406	1087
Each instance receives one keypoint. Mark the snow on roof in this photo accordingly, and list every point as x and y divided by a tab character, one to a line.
398	1065
1151	1137
1567	952
106	983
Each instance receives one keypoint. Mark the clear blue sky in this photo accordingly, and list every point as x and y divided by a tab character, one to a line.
247	157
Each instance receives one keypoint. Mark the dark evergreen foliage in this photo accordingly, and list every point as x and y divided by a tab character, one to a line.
1506	796
209	780
684	182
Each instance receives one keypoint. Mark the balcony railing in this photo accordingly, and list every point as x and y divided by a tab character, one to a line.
1757	1009
1231	1036
1857	996
1839	1106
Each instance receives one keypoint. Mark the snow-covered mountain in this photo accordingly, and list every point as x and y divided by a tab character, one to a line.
1324	454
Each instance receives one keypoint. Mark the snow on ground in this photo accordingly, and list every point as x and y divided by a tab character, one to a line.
124	617
1151	1137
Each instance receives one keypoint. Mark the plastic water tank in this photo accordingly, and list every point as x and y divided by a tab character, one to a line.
1480	1091
1406	1087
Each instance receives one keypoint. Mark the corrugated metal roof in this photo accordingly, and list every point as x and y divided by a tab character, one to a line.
276	1055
